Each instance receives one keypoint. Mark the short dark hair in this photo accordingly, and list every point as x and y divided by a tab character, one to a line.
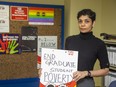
89	12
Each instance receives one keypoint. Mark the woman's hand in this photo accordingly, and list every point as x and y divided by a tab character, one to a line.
79	75
39	72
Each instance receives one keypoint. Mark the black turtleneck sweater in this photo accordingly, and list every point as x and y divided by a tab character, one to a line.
90	49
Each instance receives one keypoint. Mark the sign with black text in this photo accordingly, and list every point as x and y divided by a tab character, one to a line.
58	67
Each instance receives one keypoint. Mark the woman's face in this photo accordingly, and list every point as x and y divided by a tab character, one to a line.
85	24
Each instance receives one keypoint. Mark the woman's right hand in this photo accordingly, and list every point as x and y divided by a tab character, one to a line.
39	72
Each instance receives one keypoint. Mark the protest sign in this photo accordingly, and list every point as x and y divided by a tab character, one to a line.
58	67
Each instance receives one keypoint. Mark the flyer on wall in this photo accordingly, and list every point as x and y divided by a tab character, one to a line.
4	18
9	44
57	67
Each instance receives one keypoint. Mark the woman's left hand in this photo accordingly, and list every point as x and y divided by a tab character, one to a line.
79	75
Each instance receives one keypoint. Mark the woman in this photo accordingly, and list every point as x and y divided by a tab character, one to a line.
90	49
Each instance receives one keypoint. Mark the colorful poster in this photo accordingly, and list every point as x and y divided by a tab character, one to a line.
4	18
45	42
9	44
19	13
58	67
41	16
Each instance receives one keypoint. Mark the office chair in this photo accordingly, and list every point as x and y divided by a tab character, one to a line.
113	84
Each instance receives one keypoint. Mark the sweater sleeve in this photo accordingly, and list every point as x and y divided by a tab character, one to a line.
103	56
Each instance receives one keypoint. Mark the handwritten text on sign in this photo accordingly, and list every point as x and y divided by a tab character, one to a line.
58	65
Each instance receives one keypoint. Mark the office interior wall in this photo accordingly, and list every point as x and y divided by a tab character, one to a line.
67	7
109	16
54	2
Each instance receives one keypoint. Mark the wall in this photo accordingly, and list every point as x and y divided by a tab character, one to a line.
55	2
67	18
109	16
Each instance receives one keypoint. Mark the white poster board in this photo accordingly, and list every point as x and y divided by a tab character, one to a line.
58	67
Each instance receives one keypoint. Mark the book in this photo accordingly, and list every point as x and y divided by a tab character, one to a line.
57	67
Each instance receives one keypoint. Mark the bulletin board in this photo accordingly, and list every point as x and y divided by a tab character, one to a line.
24	65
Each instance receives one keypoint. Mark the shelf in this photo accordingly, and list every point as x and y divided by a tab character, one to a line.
113	68
110	41
111	50
108	36
112	74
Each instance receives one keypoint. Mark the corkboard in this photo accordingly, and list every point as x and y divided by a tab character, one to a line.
24	65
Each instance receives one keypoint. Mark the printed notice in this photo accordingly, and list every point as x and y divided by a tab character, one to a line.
4	18
19	13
